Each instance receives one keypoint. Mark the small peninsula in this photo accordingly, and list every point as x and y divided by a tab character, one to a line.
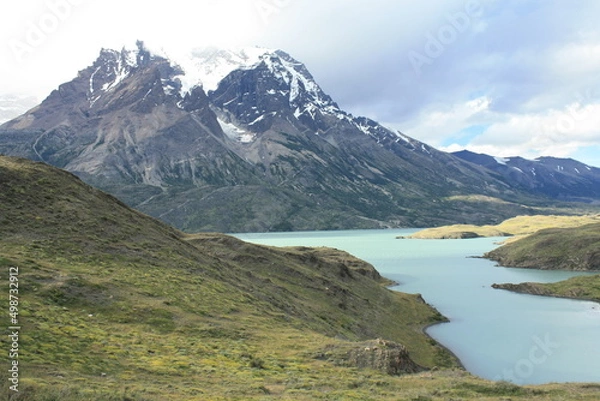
516	226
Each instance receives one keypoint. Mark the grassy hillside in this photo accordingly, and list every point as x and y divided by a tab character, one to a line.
517	226
575	248
584	287
117	306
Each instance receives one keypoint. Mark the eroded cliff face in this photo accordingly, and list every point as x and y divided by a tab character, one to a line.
526	288
385	356
584	288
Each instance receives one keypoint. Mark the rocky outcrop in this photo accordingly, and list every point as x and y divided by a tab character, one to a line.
583	288
462	235
385	356
524	288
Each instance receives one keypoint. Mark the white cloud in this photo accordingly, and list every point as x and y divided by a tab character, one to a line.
45	42
435	125
576	58
559	133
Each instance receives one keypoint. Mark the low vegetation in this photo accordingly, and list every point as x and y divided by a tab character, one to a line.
583	287
572	248
575	248
116	306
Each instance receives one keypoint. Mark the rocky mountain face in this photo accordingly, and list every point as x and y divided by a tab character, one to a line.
556	178
245	141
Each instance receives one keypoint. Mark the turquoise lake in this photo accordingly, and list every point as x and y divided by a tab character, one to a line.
496	334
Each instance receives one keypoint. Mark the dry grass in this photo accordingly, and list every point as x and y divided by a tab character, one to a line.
518	226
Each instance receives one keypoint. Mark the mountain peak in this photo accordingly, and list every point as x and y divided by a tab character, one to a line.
266	141
256	84
207	67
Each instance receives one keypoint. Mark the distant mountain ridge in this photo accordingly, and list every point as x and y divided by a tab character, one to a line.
565	179
263	149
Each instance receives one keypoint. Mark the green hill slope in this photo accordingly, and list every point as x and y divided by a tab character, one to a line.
584	287
108	292
574	248
114	305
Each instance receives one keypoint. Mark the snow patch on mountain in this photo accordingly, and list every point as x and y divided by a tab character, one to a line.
125	63
400	135
501	160
295	75
207	67
168	87
117	66
235	133
92	79
262	117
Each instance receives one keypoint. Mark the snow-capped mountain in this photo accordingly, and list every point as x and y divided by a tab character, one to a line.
244	140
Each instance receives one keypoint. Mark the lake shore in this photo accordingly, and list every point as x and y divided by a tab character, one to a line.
450	277
553	290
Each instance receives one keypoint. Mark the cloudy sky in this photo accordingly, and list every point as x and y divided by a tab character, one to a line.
503	77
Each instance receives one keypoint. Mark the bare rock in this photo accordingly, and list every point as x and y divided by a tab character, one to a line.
385	356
